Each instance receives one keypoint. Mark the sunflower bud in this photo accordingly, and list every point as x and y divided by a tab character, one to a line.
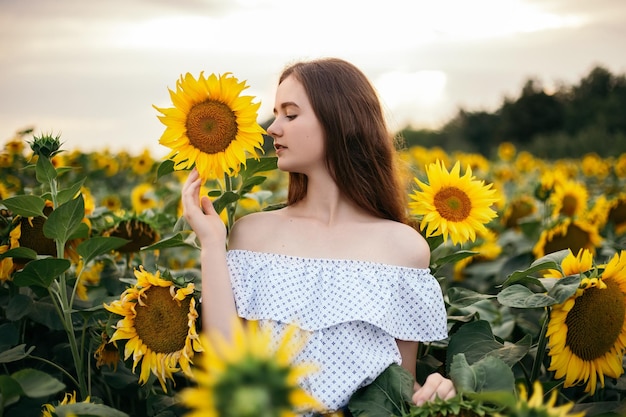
46	145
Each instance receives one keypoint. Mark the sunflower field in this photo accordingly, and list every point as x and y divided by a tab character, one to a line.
100	286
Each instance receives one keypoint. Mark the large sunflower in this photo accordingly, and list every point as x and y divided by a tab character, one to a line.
252	376
211	125
453	205
159	325
587	333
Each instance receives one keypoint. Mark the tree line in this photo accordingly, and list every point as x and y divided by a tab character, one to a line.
589	116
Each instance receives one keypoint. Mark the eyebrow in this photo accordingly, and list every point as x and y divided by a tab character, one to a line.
286	104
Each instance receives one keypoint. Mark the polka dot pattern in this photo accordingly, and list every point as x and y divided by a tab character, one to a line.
351	312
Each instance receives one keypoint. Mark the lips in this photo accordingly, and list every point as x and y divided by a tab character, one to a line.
278	147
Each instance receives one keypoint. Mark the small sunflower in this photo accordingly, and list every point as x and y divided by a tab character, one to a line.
159	325
506	151
107	353
6	265
598	215
143	163
568	234
28	232
535	406
112	203
241	378
140	233
453	205
617	213
49	410
569	199
517	209
211	125
143	197
587	333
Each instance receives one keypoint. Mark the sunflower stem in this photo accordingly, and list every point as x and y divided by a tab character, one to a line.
541	349
66	302
230	207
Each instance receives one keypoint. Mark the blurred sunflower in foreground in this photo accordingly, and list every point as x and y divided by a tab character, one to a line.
535	406
451	204
211	125
50	411
247	378
159	324
587	333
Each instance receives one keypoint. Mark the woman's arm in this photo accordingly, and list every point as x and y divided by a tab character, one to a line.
218	304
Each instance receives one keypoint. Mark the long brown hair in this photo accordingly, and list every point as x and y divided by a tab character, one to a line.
360	152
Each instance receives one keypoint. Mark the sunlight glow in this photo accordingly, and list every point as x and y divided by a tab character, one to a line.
392	24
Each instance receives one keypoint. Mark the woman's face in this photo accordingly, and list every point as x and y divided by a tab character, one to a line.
298	134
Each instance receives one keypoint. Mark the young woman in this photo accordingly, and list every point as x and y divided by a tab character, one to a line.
339	260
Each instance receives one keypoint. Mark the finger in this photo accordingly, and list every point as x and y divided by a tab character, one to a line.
207	206
435	386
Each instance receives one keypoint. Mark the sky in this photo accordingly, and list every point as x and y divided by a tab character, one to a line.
91	70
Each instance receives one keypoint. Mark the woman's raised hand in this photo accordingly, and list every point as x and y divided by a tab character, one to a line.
200	213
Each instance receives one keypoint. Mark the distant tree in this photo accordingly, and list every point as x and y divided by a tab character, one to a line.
532	113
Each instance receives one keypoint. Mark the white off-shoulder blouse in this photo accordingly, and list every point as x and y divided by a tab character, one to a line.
352	311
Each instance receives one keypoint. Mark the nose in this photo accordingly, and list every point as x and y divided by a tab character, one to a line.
273	130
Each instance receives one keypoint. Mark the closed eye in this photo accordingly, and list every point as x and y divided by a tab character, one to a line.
291	116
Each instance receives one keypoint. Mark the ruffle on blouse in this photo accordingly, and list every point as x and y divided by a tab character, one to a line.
407	303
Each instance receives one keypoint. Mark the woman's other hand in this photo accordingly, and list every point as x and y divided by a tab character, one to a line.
435	386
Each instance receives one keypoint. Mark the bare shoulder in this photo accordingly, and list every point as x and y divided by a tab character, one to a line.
252	230
404	245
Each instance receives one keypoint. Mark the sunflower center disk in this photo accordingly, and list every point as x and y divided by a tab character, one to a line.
595	322
211	126
161	323
574	238
570	204
453	204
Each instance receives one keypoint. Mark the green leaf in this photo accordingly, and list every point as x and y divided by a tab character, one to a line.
41	272
225	199
454	257
69	193
87	410
45	171
25	205
462	297
20	253
519	296
254	166
15	354
527	274
99	245
9	336
249	183
65	219
165	168
434	242
175	241
18	307
10	391
489	374
564	288
37	384
388	395
476	341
